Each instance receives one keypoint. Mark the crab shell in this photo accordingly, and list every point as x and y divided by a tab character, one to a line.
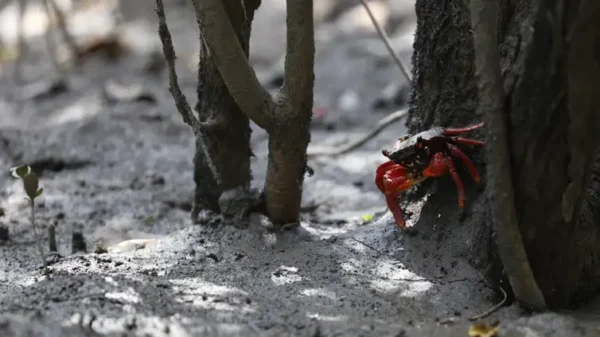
407	149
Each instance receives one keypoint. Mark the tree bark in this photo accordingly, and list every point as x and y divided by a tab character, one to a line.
289	137
226	129
286	117
549	52
499	190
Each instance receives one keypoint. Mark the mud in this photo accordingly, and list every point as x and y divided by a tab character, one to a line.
120	168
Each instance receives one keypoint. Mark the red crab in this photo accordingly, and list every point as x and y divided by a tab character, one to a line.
424	155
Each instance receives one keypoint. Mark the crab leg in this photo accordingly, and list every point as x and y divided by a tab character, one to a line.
468	163
457	181
394	185
440	165
394	207
437	167
456	131
467	141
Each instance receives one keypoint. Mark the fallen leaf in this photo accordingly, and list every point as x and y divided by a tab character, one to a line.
129	245
127	92
480	330
367	217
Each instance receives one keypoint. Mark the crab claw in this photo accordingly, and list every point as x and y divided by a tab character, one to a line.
392	180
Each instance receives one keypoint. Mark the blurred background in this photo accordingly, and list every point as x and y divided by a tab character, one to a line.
356	80
116	74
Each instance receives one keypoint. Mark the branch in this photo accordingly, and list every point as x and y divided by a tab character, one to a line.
500	192
229	58
386	42
300	54
382	123
374	131
38	238
167	42
51	44
52	7
180	101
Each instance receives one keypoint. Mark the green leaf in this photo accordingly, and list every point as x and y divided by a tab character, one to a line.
149	219
20	171
31	184
39	192
367	217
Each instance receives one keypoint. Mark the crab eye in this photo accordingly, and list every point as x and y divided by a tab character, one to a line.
403	138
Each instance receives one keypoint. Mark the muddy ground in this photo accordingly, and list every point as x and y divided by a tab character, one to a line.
115	162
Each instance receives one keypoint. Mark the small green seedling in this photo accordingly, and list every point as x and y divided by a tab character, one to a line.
31	186
149	219
30	181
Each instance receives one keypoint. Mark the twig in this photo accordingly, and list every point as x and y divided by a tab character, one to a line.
492	309
50	43
387	42
381	124
180	101
52	238
500	191
456	280
51	6
38	239
374	131
169	51
367	245
251	324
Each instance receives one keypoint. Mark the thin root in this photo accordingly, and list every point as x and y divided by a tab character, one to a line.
492	309
367	245
181	102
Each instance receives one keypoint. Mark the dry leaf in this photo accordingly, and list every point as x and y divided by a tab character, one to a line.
480	330
127	92
129	245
